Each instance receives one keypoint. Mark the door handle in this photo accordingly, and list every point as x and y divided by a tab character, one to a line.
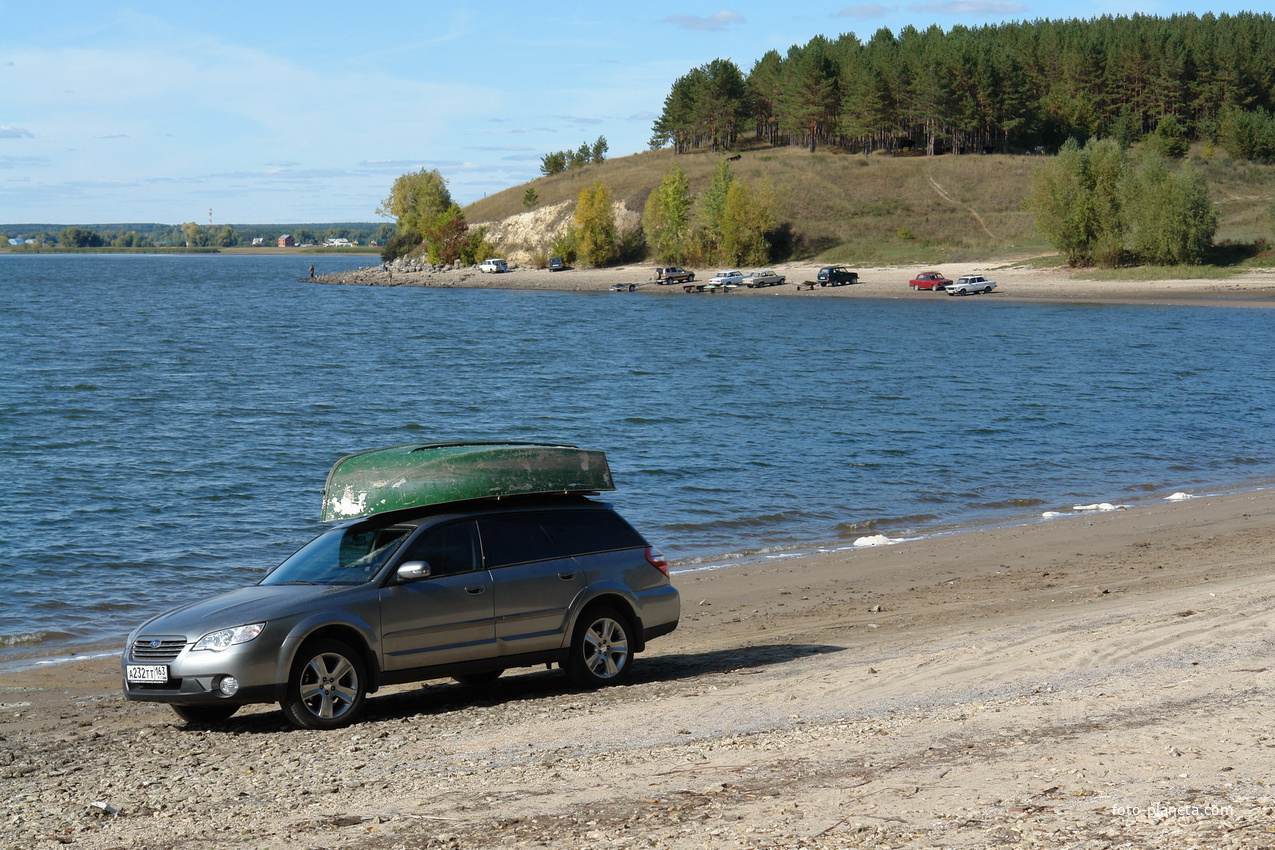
567	576
475	590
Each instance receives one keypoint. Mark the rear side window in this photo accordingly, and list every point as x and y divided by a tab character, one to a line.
583	532
514	539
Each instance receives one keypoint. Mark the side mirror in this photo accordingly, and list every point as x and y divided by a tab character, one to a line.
413	571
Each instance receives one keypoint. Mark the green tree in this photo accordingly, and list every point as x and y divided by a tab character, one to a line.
677	122
712	206
666	218
1169	138
194	236
594	225
530	197
746	222
446	235
423	206
553	163
79	237
416	200
810	97
1249	134
1096	206
599	149
1171	217
1076	200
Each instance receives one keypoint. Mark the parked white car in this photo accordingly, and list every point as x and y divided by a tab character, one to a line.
970	284
493	266
725	280
763	278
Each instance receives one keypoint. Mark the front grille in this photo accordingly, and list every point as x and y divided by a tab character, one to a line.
157	649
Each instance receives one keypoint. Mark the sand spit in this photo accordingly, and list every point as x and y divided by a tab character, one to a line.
1014	282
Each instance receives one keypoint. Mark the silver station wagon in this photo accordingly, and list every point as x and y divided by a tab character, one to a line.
464	589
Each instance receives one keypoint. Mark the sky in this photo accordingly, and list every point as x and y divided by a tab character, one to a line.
263	113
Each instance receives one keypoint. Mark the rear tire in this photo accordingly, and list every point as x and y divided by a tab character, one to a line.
327	687
204	713
601	649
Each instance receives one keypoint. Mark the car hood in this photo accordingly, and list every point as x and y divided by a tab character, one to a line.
255	604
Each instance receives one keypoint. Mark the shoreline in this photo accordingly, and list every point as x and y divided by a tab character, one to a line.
1252	288
1039	684
15	661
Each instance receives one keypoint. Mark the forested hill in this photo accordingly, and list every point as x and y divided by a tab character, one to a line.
1009	87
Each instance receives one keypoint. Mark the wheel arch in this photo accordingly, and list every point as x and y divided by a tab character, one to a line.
346	634
623	605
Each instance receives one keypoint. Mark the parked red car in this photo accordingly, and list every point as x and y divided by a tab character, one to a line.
933	281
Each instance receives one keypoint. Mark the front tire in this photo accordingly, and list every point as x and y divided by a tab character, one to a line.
327	687
600	651
204	713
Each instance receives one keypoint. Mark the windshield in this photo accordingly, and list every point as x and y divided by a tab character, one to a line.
341	556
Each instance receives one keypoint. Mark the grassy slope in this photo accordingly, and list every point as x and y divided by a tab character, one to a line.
856	209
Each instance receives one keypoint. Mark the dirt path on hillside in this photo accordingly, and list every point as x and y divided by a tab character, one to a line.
942	193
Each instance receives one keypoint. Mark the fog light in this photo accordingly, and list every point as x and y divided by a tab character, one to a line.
229	686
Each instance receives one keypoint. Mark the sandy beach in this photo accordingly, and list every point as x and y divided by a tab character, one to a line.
1100	680
1015	282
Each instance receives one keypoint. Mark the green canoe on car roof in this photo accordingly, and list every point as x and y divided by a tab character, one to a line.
413	476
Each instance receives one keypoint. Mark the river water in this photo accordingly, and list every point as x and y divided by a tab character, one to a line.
167	422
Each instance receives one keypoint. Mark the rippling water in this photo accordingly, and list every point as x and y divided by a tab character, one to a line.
168	422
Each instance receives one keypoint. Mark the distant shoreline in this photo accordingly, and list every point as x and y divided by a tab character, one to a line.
237	251
1015	282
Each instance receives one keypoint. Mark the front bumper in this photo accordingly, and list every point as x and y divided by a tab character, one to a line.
195	678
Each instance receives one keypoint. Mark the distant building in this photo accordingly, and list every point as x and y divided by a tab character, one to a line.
287	242
258	240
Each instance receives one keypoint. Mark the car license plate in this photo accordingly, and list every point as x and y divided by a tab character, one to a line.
148	673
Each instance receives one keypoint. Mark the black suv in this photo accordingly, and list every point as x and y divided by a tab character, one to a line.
836	276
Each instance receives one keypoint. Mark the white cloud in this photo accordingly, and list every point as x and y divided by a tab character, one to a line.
23	161
865	10
8	132
969	7
715	22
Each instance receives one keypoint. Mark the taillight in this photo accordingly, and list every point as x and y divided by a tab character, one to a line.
656	558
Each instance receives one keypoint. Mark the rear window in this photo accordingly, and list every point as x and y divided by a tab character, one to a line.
519	538
583	532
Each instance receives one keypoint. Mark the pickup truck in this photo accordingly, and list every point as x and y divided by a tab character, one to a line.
493	266
836	276
766	278
970	284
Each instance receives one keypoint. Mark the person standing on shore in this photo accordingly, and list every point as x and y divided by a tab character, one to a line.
311	271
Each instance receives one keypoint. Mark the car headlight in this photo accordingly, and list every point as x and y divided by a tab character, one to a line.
226	638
